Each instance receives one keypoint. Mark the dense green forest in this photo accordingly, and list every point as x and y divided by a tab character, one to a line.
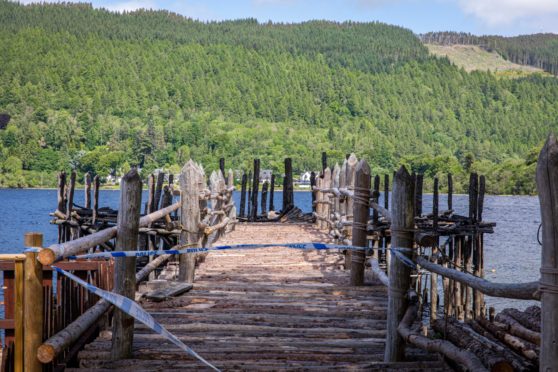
539	50
98	91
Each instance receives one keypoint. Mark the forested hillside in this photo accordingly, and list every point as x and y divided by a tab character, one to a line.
539	50
99	91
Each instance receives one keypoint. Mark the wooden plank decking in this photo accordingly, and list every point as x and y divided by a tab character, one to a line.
271	309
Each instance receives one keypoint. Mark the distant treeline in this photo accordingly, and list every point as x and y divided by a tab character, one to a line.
538	50
100	92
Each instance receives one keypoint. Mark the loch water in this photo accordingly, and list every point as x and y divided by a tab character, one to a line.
512	253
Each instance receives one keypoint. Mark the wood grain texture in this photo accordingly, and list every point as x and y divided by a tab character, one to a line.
269	309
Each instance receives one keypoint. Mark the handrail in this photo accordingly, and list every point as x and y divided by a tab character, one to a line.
518	291
56	252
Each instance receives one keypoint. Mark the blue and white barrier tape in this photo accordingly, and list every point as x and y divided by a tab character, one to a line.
134	310
317	246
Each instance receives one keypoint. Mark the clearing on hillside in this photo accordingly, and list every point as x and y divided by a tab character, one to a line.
472	57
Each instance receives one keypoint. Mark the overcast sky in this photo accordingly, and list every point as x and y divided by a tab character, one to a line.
504	17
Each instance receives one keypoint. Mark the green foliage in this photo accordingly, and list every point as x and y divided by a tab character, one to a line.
101	92
538	50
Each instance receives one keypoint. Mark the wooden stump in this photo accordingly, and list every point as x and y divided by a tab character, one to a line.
125	267
402	225
361	209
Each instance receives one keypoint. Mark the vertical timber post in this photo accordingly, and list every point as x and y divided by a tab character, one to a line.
255	188
288	190
434	276
312	185
263	205
87	190
96	186
62	206
33	315
272	194
125	267
547	179
361	207
480	245
243	195
19	315
350	184
222	167
402	225
191	180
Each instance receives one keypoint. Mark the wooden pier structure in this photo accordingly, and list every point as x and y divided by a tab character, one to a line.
403	289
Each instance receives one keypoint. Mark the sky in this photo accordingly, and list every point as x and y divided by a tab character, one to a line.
501	17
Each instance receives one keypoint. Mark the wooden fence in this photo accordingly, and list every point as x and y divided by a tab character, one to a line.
49	339
404	252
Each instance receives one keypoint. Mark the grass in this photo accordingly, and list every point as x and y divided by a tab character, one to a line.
472	58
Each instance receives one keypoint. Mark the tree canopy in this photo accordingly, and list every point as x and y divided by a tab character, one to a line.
100	91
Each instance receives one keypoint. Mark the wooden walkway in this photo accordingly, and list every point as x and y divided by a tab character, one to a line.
271	309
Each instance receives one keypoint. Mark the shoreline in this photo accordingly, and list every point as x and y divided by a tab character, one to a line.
116	188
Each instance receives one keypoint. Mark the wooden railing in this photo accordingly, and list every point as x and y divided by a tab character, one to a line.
69	318
403	246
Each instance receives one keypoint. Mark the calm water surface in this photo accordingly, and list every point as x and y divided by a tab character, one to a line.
512	253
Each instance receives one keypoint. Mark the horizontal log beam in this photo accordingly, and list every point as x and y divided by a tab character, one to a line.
56	252
521	291
461	357
73	331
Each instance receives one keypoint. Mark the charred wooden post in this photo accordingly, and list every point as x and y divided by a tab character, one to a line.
288	189
402	226
191	183
96	187
361	208
151	193
87	190
125	267
249	209
324	162
433	276
158	190
450	192
243	195
263	205
312	185
33	316
222	166
272	194
386	191
376	197
255	188
71	201
62	205
418	194
547	179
